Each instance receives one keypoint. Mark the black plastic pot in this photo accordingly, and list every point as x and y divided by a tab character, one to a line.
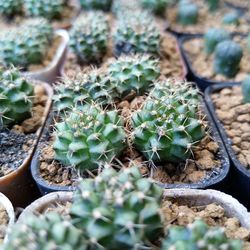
239	175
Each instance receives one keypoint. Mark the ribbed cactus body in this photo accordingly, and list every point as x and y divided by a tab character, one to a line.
188	13
9	8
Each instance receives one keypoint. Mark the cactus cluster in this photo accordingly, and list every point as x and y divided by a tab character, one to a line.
9	8
168	124
245	86
27	44
188	13
118	210
15	97
89	37
199	236
104	5
158	7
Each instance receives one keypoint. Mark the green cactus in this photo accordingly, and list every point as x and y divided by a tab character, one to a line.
86	138
199	236
118	210
245	87
228	55
124	7
9	8
187	13
15	97
104	5
168	125
214	36
156	6
44	8
133	74
231	18
137	33
45	232
27	44
213	5
89	37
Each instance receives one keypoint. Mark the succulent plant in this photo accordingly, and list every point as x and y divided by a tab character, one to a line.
199	236
123	7
137	33
15	97
45	232
187	13
44	8
213	5
156	6
9	8
104	5
27	44
214	36
245	87
231	18
118	210
87	137
168	124
89	37
228	55
133	74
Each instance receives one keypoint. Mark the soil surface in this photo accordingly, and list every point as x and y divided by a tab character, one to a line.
203	64
17	142
235	117
206	20
4	220
213	214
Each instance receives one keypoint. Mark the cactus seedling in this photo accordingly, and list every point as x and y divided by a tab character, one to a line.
86	138
187	13
213	5
231	18
245	87
9	8
228	55
15	97
104	5
214	36
168	124
156	6
118	210
199	236
89	37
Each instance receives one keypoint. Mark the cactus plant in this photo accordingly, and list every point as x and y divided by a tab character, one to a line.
213	5
245	87
156	6
214	36
137	33
199	236
26	45
187	13
48	231
87	137
9	8
168	125
231	18
104	5
228	55
133	74
118	210
124	7
89	37
44	8
15	97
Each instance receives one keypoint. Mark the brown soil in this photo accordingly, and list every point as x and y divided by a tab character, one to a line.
213	214
206	20
235	117
4	220
203	64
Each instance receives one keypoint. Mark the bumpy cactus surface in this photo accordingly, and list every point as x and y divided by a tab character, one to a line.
228	55
43	8
231	18
213	4
168	124
27	44
9	8
137	33
199	236
245	86
15	97
118	210
156	6
89	37
104	5
46	232
214	36
187	13
133	74
86	138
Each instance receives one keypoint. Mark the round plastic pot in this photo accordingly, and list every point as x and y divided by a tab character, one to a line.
18	186
53	70
191	197
240	176
5	202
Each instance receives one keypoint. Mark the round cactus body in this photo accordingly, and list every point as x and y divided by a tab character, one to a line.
9	8
213	5
156	6
187	13
231	18
104	5
245	86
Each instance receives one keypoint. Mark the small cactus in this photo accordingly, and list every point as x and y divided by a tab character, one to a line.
188	13
168	125
158	7
9	8
104	5
245	87
199	236
213	5
228	55
89	37
214	36
86	138
15	97
231	18
118	210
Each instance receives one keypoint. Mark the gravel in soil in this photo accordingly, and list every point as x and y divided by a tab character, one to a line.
235	117
202	64
4	220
